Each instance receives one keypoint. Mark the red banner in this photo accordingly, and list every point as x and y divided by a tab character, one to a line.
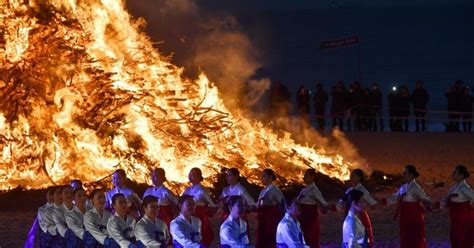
348	41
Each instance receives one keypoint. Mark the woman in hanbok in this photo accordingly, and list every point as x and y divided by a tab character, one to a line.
234	232
186	229
461	213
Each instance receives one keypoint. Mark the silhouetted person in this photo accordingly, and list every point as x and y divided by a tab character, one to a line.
353	107
273	99
364	110
279	102
338	105
419	100
320	99
466	109
394	109
302	100
453	96
375	103
404	107
349	106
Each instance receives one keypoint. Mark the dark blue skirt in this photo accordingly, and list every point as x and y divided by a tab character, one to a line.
45	239
71	240
89	241
141	245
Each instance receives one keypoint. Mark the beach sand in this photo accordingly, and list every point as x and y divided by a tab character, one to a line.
435	154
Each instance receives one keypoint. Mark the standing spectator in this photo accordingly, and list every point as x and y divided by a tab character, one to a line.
338	105
320	99
364	110
357	108
284	99
453	97
279	103
375	103
273	96
394	109
404	107
466	109
303	103
351	100
419	100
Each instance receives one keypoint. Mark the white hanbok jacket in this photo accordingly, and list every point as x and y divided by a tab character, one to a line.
239	190
366	196
121	230
271	195
187	234
353	231
311	195
234	233
45	219
152	233
289	233
409	192
59	218
461	192
96	224
200	195
75	222
127	192
164	195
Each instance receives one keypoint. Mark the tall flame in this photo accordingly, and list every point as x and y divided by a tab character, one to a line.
83	92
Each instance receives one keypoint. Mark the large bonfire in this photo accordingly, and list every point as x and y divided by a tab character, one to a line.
84	92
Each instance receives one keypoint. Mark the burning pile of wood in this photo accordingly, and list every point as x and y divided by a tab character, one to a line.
83	92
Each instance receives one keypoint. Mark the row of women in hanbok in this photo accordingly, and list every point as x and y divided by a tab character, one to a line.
110	219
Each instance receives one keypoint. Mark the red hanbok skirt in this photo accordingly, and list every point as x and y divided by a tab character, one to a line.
412	225
166	215
206	230
268	218
309	220
365	219
461	233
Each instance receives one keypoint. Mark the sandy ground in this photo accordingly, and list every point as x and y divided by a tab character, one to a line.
434	154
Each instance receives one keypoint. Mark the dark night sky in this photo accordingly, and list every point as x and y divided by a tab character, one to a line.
309	4
401	40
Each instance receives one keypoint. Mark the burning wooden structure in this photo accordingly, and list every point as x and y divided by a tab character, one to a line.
83	91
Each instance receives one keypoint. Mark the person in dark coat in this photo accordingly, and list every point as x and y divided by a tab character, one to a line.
353	106
279	103
338	105
303	103
273	98
453	96
349	99
376	113
320	99
466	108
419	100
284	99
404	107
364	110
394	109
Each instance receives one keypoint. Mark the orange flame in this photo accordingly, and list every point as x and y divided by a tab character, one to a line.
83	92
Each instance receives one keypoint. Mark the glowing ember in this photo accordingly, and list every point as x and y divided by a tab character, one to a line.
83	92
